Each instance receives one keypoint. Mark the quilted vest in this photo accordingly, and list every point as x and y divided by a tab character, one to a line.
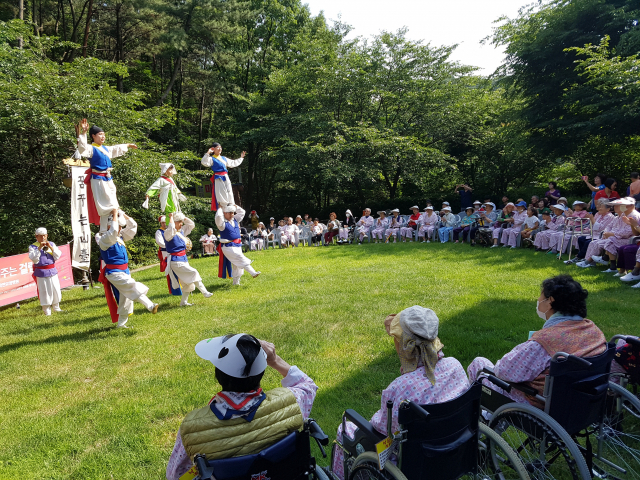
580	338
277	416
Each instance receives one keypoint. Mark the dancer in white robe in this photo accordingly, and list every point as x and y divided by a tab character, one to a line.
166	189
222	192
44	255
228	222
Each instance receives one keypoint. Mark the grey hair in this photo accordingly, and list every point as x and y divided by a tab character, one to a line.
602	201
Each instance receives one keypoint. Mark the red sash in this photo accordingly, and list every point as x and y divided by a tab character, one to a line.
214	200
181	253
33	275
168	179
91	204
108	293
124	266
163	260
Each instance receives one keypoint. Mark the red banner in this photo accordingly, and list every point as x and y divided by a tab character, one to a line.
16	282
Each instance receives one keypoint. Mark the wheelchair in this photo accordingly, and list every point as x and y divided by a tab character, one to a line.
288	459
442	441
577	434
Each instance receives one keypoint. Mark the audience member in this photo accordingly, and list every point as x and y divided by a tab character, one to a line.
465	225
609	190
531	224
380	226
556	224
487	216
510	235
599	222
598	184
553	194
465	195
364	225
504	221
254	219
574	222
208	242
348	225
428	222
634	187
333	228
316	232
448	224
258	238
395	224
408	231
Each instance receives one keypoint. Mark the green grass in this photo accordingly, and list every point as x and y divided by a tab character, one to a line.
81	399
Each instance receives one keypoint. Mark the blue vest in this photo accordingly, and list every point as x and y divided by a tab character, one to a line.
100	161
176	244
162	249
45	259
115	255
231	232
218	166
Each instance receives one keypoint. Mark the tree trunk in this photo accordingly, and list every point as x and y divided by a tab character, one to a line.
21	17
176	69
199	149
86	29
119	45
179	102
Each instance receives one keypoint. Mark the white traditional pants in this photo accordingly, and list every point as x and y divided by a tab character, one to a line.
239	261
49	290
224	191
130	291
104	197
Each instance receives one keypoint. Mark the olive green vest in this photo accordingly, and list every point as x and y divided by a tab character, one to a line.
277	416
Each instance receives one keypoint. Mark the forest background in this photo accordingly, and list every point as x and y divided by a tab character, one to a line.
328	123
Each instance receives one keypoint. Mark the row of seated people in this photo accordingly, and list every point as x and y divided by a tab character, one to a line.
242	419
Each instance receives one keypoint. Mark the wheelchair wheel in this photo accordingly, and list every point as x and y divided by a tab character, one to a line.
365	467
617	454
544	447
496	459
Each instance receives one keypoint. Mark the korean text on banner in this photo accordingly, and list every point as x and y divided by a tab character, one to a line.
16	281
80	220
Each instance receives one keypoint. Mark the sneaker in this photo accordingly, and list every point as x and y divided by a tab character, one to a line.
56	308
186	304
637	285
513	247
572	261
457	241
495	246
47	312
619	274
630	277
552	251
585	265
599	260
428	241
154	308
257	273
505	246
610	270
207	294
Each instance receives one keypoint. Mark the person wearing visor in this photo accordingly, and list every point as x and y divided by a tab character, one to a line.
426	375
242	419
562	305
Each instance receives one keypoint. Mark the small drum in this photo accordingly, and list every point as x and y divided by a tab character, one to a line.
188	243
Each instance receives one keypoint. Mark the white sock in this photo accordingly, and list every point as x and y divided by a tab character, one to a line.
144	300
185	298
201	287
122	320
56	307
236	280
250	270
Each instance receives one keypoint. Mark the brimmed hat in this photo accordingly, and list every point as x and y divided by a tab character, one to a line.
229	208
578	202
493	205
562	198
521	204
510	204
428	208
271	218
623	201
468	208
415	207
546	211
445	203
559	206
223	352
381	212
477	202
447	209
349	213
166	166
41	231
395	210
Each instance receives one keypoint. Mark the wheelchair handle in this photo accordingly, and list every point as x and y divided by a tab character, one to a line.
417	410
500	383
204	471
571	358
630	340
318	435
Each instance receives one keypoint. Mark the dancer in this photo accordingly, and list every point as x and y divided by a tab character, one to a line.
162	255
101	191
169	194
44	254
178	269
120	289
222	193
230	247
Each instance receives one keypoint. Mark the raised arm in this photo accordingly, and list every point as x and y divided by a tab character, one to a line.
116	151
239	214
206	161
110	237
187	226
220	220
130	229
34	254
170	231
55	251
236	162
84	149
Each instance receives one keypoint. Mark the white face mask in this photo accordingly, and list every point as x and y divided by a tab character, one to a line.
542	315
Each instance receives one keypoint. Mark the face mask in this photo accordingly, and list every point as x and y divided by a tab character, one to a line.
542	315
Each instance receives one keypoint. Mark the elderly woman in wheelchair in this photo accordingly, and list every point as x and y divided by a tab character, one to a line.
559	410
242	420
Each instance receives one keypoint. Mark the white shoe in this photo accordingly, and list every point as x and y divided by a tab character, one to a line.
154	308
207	294
56	308
257	273
619	274
186	304
513	247
122	326
47	311
599	260
609	270
495	246
637	285
630	277
584	265
428	241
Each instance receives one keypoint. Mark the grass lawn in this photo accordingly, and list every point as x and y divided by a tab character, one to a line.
81	399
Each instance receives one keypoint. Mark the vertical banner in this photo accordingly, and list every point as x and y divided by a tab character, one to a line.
16	280
80	220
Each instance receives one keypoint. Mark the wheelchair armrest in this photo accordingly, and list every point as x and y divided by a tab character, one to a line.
316	432
363	425
526	389
508	386
204	470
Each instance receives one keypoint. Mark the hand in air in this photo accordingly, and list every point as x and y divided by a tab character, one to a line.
132	145
84	126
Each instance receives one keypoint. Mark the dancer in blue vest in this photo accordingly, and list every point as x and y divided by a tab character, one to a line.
222	193
44	254
101	191
232	260
178	269
162	255
120	289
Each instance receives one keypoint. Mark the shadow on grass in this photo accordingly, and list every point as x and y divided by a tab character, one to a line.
78	336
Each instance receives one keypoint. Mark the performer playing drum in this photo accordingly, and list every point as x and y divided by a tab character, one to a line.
162	255
101	191
44	254
222	193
